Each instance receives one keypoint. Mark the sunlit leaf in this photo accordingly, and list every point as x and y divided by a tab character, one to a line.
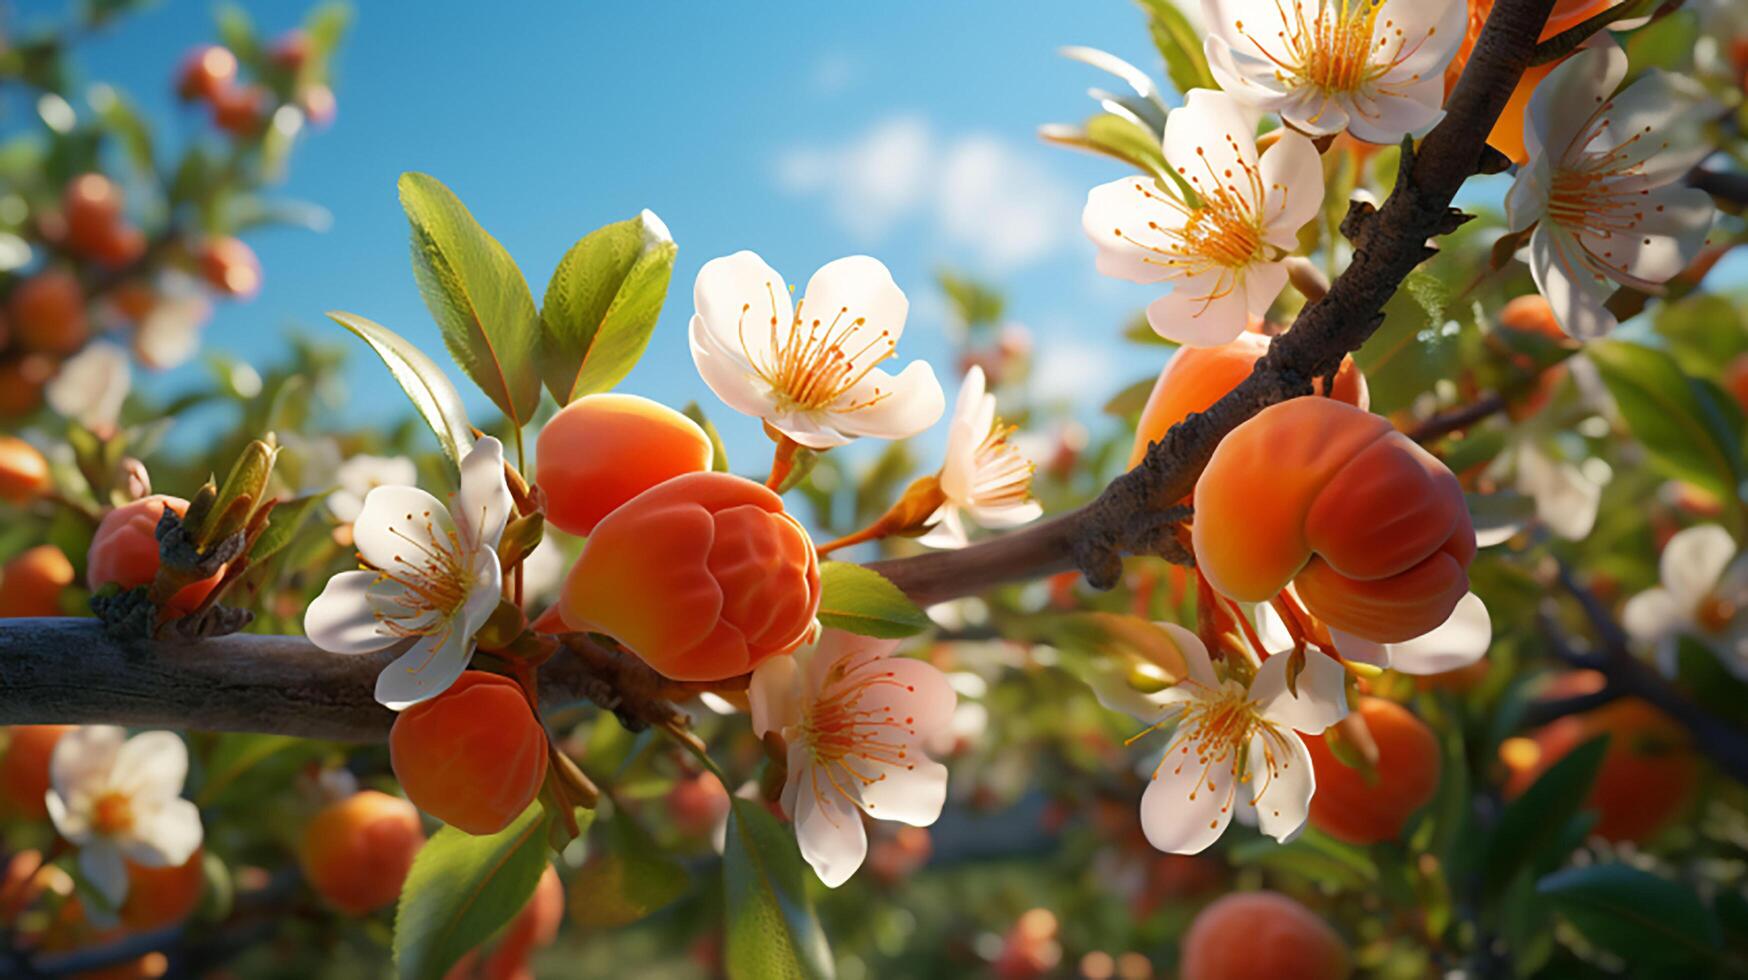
602	304
857	599
771	930
464	888
430	390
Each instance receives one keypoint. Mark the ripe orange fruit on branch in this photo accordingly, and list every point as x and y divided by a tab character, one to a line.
1372	529
704	576
48	313
1197	377
356	852
32	582
602	450
125	551
158	898
230	267
24	472
474	756
1249	935
205	72
1353	807
24	768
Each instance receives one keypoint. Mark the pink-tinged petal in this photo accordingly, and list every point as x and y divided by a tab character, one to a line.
912	794
1564	103
1206	146
483	505
1281	788
948	531
1653	616
728	373
1205	311
1243	75
151	766
342	619
742	305
828	827
1187	804
855	299
891	406
1292	177
774	695
165	834
1669	236
1694	560
1409	109
913	691
1127	219
1459	641
1263	282
1321	700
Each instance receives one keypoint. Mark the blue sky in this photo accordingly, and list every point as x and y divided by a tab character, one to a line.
906	130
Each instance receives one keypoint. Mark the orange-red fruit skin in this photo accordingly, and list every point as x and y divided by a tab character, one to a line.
356	852
474	756
24	769
534	927
125	551
158	898
1352	809
1251	935
602	450
32	582
230	267
48	313
1372	529
1197	377
703	576
206	72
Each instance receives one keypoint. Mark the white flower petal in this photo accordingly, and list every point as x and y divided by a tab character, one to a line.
83	760
742	305
913	794
1555	117
903	405
401	526
774	695
1263	282
1322	697
1118	218
483	506
854	298
1694	560
1459	641
165	834
1204	311
948	531
1195	654
101	864
1283	787
1206	146
1293	178
1653	616
1577	294
1187	805
342	619
828	827
424	671
151	766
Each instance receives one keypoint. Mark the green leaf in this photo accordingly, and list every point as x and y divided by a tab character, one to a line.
857	599
462	889
282	527
477	296
602	304
1691	430
771	931
1639	916
1116	137
236	753
975	303
1414	348
237	32
1179	44
628	880
1128	402
1534	823
718	452
429	389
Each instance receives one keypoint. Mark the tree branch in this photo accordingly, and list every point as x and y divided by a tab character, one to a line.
69	671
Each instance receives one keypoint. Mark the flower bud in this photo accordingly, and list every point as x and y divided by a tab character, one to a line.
474	756
1372	529
703	577
602	450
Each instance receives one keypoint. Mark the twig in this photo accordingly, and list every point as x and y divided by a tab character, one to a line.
1459	418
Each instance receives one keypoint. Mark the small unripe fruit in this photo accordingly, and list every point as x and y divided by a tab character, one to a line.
205	72
48	313
158	898
32	582
24	472
1249	935
230	267
24	769
474	756
238	110
21	384
1350	807
125	551
357	851
602	450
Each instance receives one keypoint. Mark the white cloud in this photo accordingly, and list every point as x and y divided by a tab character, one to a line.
1072	371
981	194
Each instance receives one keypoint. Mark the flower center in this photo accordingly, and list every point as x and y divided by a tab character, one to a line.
1715	613
849	726
112	813
1002	475
816	363
435	576
1214	732
1602	194
1341	48
1221	233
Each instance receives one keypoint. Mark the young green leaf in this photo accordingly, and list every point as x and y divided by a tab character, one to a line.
859	600
602	304
282	526
430	390
770	930
1413	349
462	889
1690	429
1178	44
718	452
1641	917
477	296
